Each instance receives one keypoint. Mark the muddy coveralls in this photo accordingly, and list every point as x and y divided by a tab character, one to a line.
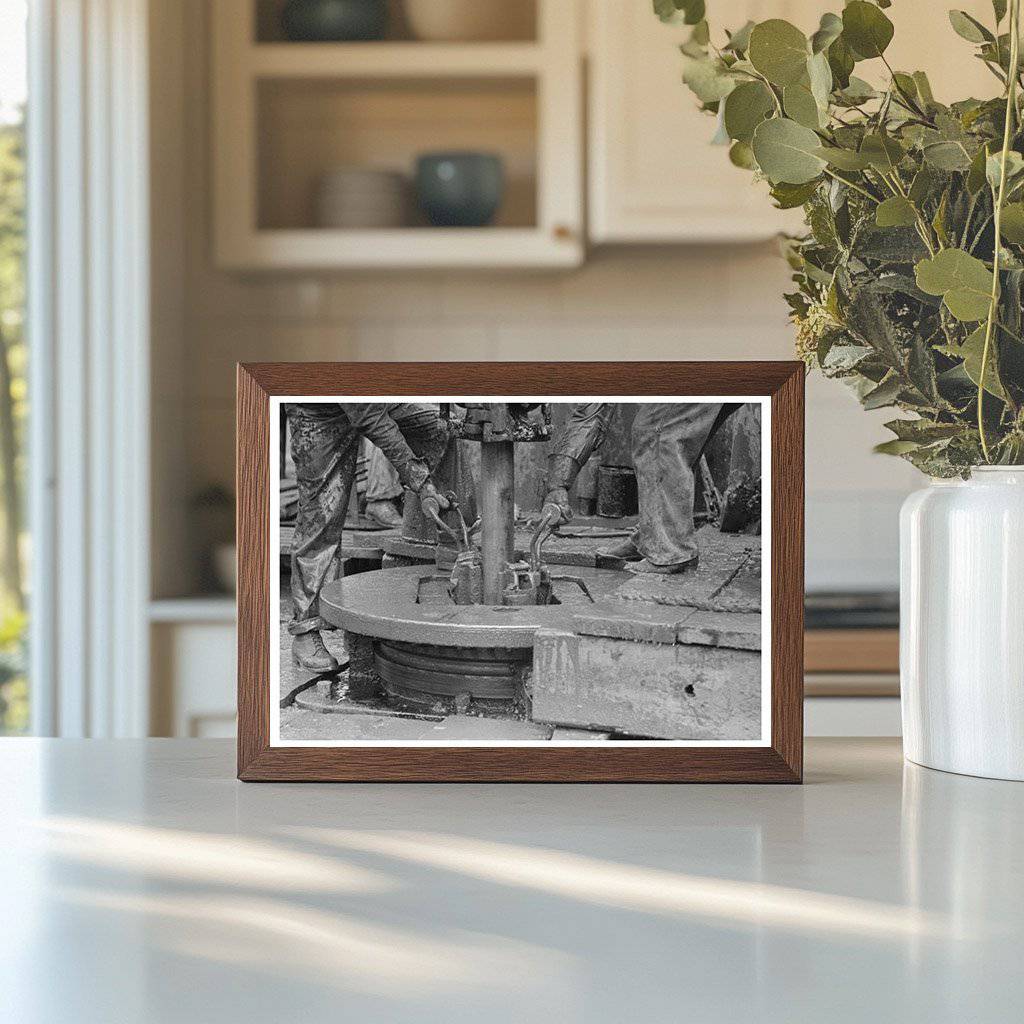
668	439
325	443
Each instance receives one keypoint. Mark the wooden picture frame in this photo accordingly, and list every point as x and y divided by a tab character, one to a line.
780	759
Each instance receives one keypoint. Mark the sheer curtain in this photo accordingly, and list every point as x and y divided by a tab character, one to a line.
88	282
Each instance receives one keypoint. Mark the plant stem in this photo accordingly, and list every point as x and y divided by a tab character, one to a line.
1011	108
853	185
910	102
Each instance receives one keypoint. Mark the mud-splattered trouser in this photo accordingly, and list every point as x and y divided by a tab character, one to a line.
325	445
668	440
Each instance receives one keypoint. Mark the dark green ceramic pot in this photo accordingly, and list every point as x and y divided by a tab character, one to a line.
334	21
460	189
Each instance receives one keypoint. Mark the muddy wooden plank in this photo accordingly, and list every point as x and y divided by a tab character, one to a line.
733	585
679	691
631	620
298	723
566	735
740	630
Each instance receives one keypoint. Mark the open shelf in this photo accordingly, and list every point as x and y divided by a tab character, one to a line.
308	127
387	60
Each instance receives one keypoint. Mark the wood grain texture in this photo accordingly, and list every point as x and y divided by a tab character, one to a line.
852	650
780	762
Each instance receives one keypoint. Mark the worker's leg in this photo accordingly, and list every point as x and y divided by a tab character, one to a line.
668	439
383	488
324	447
382	483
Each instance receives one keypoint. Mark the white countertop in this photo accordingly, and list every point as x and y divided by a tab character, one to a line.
140	882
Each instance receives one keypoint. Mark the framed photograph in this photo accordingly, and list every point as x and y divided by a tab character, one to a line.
573	572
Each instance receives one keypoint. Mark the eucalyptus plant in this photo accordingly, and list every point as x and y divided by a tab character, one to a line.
910	277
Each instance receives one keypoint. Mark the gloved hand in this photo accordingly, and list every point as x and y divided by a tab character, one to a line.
557	499
432	501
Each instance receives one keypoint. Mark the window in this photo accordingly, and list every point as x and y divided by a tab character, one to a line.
14	690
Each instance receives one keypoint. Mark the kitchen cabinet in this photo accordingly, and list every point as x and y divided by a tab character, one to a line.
287	114
653	175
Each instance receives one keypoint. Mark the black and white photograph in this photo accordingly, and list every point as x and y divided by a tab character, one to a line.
517	572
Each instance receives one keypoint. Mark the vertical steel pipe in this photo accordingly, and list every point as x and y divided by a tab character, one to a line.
497	513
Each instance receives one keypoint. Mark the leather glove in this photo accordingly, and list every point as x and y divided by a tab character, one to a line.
432	501
557	499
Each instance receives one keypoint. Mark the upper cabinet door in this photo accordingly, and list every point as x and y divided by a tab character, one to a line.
654	175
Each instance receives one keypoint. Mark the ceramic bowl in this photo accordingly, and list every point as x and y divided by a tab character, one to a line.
359	197
333	21
470	20
460	189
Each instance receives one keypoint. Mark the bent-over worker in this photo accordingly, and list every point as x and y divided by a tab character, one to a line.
325	443
668	439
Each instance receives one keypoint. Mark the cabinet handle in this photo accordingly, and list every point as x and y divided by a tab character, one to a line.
562	232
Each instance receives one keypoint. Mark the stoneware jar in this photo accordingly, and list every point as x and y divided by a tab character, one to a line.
962	624
470	20
327	21
460	189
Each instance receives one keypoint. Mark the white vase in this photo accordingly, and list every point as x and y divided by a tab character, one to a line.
962	624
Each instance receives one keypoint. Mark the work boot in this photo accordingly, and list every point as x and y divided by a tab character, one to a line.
625	550
309	650
383	513
662	570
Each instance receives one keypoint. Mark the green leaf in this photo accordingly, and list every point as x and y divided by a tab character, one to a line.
1012	224
866	29
971	351
666	10
882	151
788	197
779	51
801	106
693	11
739	41
745	108
922	185
701	34
939	220
947	156
905	84
889	245
885	394
969	28
841	63
707	78
963	281
858	91
993	167
924	88
895	447
819	74
787	151
976	173
923	431
895	212
999	9
829	30
844	159
689	12
741	155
